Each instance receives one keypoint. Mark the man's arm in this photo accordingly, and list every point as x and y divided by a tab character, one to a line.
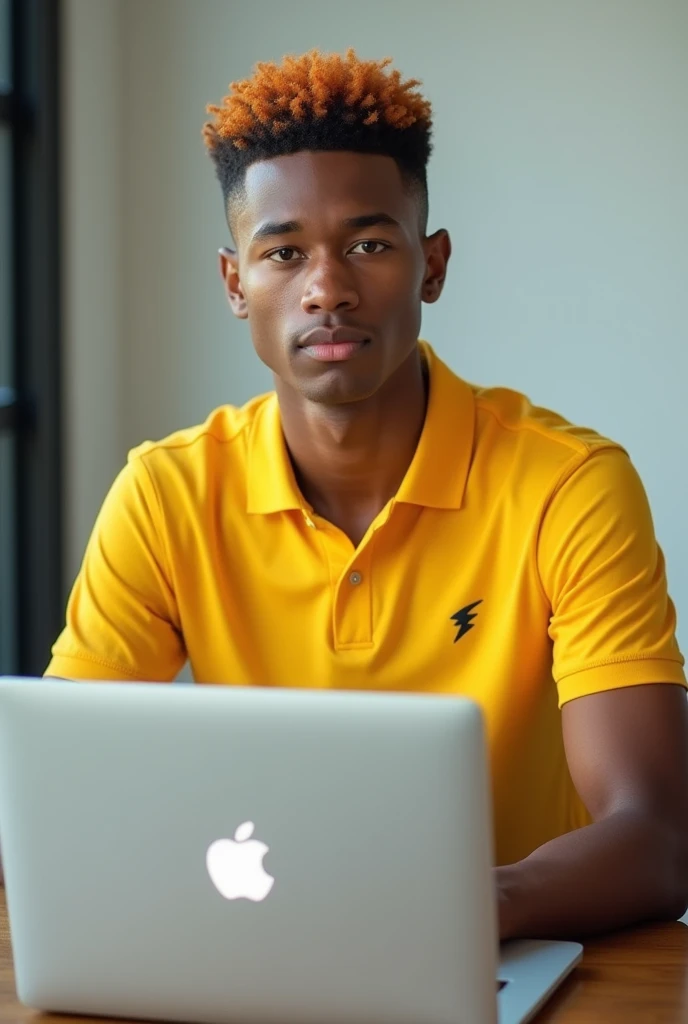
627	751
122	619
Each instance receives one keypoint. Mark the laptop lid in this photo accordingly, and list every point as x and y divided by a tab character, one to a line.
228	854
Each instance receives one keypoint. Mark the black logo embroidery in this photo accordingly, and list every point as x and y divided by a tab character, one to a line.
464	619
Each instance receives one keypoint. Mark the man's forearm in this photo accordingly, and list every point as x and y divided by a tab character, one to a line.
618	871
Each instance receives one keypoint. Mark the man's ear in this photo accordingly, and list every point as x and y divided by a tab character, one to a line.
437	253
228	264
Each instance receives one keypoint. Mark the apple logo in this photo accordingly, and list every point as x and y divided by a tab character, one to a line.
236	867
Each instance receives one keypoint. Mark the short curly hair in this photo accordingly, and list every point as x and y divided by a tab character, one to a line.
321	102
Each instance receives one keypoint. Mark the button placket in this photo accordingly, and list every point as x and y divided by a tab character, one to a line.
353	625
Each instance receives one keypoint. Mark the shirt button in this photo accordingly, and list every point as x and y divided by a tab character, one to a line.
355	578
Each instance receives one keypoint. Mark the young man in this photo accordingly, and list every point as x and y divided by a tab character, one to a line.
379	523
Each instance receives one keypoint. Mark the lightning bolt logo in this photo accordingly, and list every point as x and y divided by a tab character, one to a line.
464	619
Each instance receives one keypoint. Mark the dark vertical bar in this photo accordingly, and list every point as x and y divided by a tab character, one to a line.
8	405
37	330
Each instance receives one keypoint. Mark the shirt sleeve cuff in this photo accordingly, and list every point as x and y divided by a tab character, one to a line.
618	674
71	667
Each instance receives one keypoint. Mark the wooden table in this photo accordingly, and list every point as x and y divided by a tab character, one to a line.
634	977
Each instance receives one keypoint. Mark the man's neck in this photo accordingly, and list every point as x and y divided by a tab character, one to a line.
349	460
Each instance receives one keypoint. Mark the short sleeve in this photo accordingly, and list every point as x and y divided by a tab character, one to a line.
612	622
122	618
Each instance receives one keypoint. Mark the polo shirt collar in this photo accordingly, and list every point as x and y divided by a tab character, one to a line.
439	469
271	484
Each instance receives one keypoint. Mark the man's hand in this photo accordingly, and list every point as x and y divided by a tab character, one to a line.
627	751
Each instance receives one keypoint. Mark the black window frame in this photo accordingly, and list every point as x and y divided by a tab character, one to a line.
31	410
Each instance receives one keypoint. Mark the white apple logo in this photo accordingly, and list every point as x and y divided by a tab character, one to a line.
236	867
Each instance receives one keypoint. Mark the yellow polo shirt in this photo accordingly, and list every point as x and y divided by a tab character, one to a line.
517	565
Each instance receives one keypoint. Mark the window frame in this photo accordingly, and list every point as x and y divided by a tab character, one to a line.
30	410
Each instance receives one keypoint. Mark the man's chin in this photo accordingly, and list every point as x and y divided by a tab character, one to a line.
337	389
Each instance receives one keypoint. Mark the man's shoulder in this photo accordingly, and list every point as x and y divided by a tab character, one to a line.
507	421
509	417
222	436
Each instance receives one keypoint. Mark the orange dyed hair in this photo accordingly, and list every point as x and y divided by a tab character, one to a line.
320	102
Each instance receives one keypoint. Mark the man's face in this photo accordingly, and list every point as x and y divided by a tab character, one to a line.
332	240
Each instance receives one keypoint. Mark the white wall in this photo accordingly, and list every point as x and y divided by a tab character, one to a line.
560	169
91	210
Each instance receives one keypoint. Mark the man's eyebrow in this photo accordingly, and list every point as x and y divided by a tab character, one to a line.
369	220
274	227
366	220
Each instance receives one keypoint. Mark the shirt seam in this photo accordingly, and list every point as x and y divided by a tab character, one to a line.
621	659
567	441
567	471
90	659
163	535
142	450
357	645
371	545
333	583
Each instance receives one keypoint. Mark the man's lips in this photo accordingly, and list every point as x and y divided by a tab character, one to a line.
334	344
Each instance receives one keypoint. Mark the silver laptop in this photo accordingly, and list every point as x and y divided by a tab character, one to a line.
253	855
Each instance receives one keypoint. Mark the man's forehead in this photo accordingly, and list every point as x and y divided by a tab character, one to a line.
340	185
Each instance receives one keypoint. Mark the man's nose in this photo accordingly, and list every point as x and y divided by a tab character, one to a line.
329	286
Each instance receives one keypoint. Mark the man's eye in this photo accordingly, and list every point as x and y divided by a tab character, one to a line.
285	254
371	252
281	252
